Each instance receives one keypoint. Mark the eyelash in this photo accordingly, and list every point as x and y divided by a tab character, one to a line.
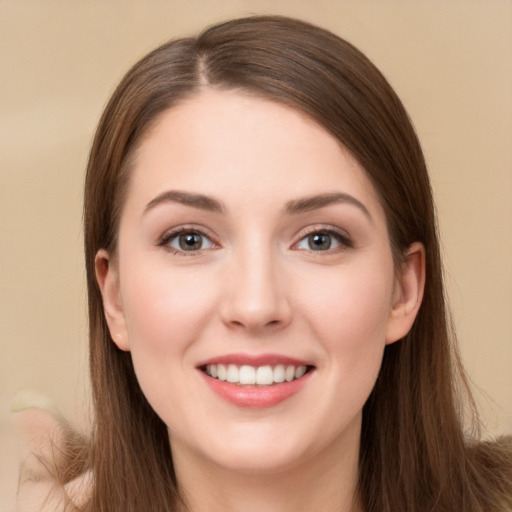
169	236
340	237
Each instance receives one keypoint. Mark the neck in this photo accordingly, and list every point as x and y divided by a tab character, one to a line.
327	481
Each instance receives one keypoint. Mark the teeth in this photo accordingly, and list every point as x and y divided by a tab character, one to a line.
264	376
279	373
221	372
232	374
249	375
300	371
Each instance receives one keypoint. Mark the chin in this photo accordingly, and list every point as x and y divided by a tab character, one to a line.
258	462
258	453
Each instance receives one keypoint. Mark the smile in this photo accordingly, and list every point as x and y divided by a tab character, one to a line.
255	381
246	375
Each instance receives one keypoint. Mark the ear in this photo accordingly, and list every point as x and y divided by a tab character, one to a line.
408	294
107	275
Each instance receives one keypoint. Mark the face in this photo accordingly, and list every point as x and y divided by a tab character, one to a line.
254	283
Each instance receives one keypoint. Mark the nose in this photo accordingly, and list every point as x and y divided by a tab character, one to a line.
255	294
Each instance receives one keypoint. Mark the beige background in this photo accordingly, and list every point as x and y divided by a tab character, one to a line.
450	61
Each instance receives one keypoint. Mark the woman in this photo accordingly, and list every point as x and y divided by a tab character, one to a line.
267	319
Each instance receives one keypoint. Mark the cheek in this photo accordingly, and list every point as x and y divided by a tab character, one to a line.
352	301
165	314
349	312
165	308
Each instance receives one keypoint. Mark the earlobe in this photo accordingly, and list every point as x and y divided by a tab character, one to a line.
408	294
107	277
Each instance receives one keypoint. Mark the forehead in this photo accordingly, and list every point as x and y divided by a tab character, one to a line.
237	146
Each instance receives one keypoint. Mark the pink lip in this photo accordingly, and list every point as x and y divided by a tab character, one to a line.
254	360
253	396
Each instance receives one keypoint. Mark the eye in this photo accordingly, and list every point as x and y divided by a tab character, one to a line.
323	240
187	241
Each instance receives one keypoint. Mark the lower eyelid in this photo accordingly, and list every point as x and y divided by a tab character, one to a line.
204	241
170	236
342	239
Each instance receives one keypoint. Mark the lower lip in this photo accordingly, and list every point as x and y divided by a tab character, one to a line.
256	397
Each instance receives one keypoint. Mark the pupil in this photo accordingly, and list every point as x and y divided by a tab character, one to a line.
320	241
190	241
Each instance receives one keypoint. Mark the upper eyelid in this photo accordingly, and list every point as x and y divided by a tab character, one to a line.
299	235
342	235
173	232
170	235
322	228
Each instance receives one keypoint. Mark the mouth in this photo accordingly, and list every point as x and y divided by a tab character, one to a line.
261	376
255	381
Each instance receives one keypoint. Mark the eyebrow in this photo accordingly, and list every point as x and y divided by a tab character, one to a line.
199	201
307	204
292	207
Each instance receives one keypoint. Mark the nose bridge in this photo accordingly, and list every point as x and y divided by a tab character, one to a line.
256	295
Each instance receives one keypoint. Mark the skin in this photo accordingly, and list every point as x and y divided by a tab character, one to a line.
256	286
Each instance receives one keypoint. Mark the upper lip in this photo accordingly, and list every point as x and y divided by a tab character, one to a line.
254	360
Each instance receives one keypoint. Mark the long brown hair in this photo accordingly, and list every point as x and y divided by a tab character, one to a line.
414	453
